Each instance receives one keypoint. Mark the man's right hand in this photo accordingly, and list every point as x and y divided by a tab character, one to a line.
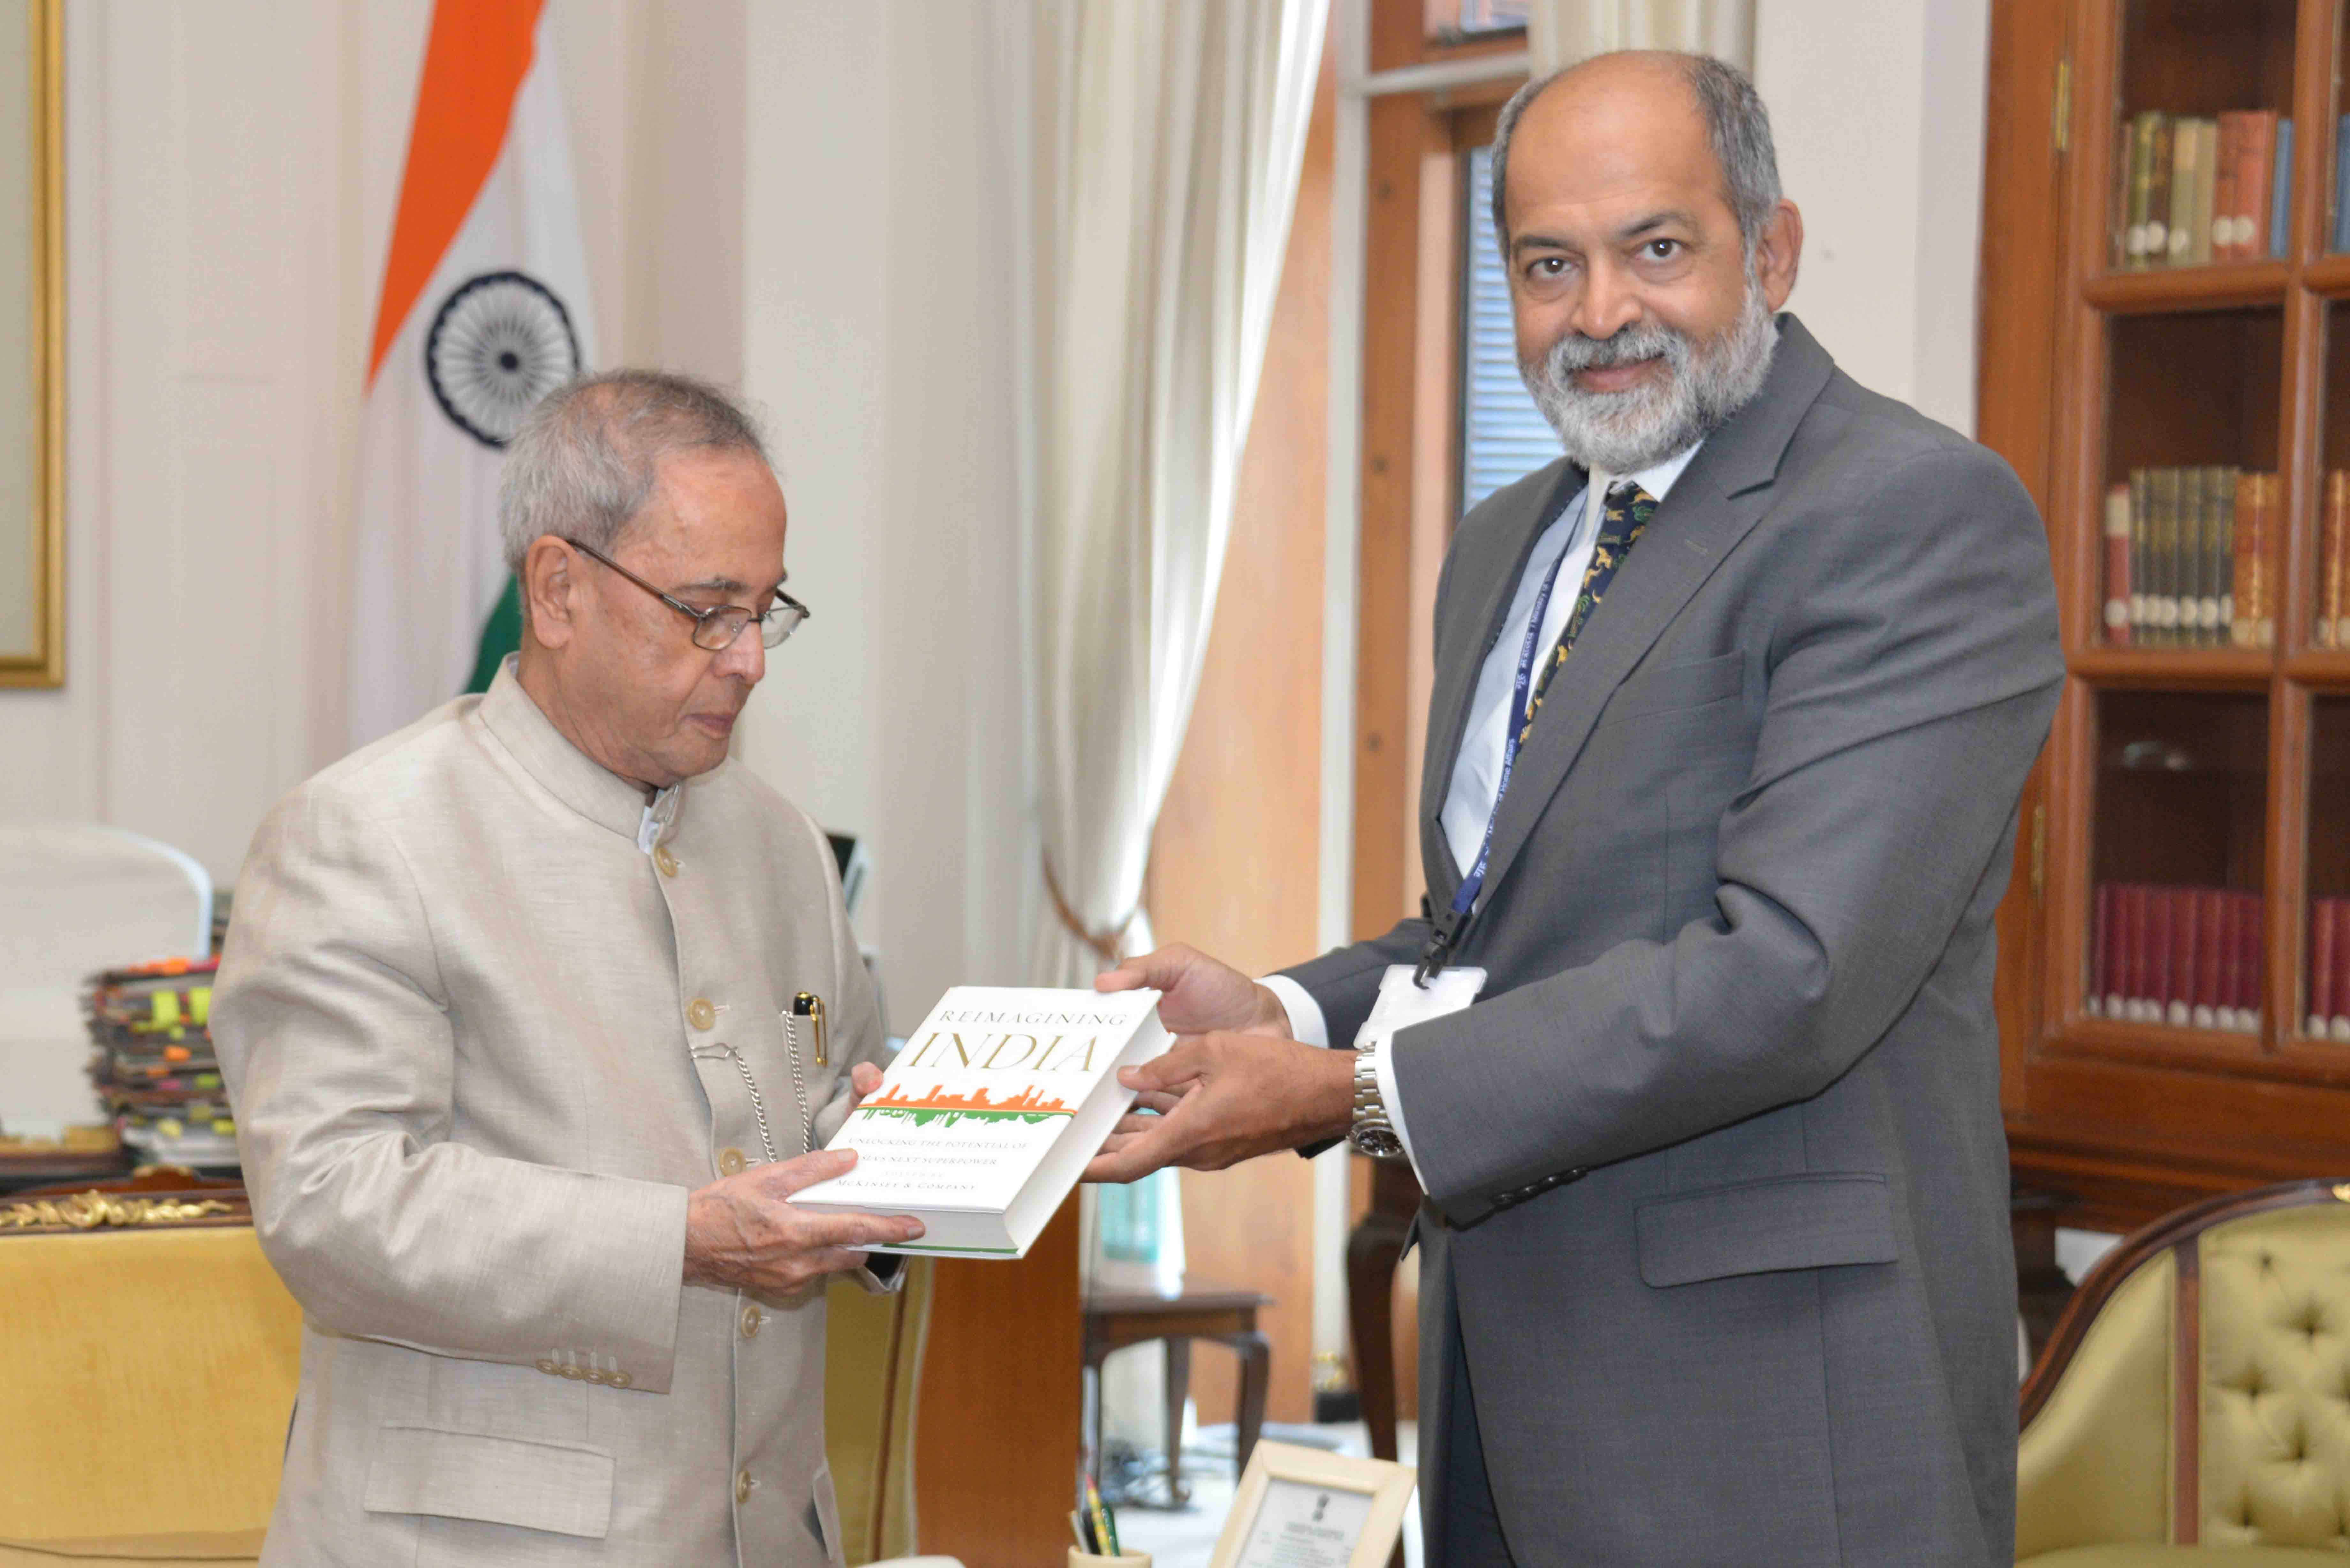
740	1234
1202	995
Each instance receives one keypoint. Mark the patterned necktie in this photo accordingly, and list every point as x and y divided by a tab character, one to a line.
1624	516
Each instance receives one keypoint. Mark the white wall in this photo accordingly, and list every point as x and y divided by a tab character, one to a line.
1877	108
802	198
815	200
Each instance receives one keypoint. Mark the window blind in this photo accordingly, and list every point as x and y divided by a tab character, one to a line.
1502	435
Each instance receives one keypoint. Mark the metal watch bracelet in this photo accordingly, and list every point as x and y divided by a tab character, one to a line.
1372	1133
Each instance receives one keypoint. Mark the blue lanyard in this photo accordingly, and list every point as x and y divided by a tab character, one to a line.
1464	897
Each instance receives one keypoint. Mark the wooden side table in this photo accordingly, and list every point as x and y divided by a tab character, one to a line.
1114	1319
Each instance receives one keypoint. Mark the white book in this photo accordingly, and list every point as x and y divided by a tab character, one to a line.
988	1116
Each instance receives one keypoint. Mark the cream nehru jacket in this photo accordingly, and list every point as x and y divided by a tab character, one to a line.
485	1021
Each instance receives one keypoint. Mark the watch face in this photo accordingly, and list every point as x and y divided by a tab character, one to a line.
1378	1142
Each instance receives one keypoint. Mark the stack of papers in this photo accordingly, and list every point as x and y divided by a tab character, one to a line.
154	1065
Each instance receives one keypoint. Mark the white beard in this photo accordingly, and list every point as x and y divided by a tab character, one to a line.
1624	432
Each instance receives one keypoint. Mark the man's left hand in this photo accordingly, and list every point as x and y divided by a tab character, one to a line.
1224	1099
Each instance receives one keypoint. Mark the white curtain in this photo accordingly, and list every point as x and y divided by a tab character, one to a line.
1170	135
1561	32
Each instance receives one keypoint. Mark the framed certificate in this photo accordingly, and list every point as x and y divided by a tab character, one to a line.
1306	1508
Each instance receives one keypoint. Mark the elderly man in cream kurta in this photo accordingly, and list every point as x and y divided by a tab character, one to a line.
508	1019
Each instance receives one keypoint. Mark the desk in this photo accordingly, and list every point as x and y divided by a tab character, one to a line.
1114	1319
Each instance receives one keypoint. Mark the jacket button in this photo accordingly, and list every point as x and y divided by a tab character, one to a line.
731	1162
742	1484
598	1375
752	1319
621	1380
547	1366
573	1372
700	1013
664	861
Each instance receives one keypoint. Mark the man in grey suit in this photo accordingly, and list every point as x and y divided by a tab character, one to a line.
1694	1053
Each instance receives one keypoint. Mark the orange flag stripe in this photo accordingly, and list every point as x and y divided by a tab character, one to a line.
474	60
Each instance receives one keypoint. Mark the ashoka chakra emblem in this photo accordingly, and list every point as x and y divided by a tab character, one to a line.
501	342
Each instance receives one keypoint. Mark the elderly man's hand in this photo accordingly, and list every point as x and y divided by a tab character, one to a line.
740	1234
1227	1097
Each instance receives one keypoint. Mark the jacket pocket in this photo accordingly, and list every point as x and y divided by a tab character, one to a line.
560	1488
1815	1221
1679	686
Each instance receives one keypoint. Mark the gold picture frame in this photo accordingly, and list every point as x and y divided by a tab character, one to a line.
32	574
1309	1506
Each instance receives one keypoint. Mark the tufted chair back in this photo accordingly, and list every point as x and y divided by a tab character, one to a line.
2197	1391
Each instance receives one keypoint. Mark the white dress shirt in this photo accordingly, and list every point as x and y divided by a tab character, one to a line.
1469	802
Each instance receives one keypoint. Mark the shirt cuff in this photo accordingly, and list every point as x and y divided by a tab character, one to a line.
1306	1024
1383	1069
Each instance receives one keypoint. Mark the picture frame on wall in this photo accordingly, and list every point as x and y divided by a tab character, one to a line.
32	344
1307	1508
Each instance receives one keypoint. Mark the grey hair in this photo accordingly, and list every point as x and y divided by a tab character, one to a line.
587	457
1736	124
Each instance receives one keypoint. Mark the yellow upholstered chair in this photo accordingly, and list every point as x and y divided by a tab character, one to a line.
147	1376
2193	1406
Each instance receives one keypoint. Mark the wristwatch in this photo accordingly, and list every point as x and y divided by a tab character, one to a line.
1372	1133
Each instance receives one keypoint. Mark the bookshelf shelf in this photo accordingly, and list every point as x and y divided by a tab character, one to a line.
2166	363
2324	669
2191	288
2328	275
2181	669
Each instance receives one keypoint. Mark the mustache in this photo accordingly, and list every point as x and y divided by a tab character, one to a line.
1629	346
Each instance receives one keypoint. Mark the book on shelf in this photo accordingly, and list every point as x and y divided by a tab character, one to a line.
2117	615
2329	970
987	1116
2182	957
2258	505
2342	184
2173	537
2190	191
2332	627
2280	225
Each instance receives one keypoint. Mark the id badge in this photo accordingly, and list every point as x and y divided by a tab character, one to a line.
1402	1002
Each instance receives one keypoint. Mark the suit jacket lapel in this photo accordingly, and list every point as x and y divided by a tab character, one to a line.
1725	491
1456	680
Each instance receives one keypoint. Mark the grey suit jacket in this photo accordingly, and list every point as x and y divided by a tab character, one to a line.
1717	1180
483	1039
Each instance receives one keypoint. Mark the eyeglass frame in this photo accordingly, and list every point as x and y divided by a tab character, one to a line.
798	612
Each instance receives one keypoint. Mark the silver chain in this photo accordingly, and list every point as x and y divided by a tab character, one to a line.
799	1084
758	1104
758	1101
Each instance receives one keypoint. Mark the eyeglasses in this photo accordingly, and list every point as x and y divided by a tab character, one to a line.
717	627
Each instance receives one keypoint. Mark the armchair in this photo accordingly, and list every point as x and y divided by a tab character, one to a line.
2193	1405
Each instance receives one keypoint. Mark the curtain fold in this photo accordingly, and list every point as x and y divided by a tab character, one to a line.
1169	135
1561	32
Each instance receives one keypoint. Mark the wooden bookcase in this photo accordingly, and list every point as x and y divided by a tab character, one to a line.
2088	370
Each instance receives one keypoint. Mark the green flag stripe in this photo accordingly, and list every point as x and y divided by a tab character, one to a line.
501	634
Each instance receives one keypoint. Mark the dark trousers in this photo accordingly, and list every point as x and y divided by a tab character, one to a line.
1472	1526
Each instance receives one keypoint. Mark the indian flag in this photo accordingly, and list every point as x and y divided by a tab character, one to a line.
485	308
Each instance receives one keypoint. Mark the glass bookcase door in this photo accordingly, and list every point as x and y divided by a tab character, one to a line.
2194	505
2177	859
2326	966
2329	625
2203	146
